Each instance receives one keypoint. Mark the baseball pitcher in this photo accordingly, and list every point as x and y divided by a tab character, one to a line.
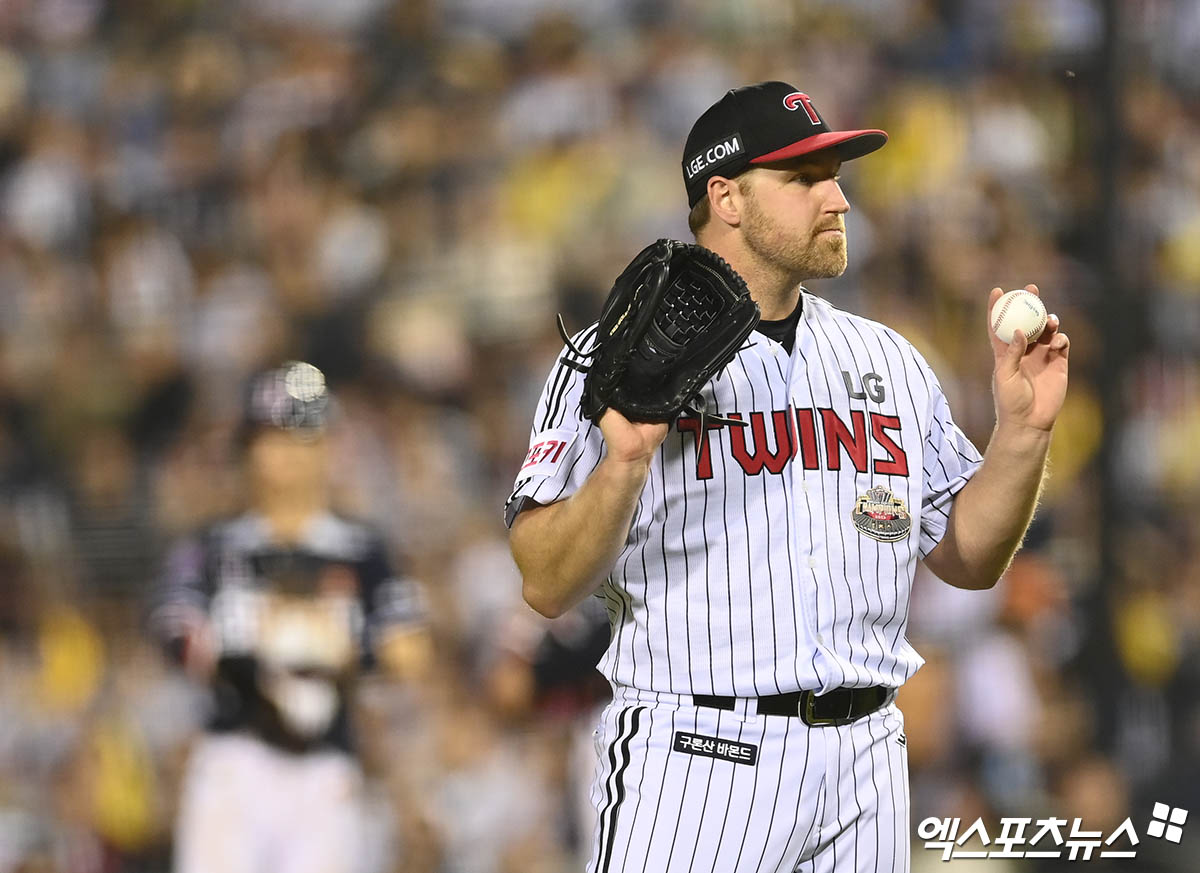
749	491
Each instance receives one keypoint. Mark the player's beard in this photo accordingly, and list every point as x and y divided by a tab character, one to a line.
818	256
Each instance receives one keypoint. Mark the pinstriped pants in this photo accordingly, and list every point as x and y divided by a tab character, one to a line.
815	800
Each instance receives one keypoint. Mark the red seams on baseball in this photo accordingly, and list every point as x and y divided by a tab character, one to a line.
1018	310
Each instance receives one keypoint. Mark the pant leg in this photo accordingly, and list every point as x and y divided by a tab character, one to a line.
865	828
219	826
321	829
662	809
583	755
248	807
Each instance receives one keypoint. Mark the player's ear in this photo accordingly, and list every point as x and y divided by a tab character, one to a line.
725	200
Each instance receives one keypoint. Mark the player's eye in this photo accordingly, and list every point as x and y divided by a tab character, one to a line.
808	180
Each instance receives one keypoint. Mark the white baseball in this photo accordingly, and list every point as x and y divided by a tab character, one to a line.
1018	309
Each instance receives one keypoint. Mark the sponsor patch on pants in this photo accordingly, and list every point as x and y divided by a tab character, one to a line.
715	747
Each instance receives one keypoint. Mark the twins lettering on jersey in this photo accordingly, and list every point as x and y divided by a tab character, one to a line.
794	434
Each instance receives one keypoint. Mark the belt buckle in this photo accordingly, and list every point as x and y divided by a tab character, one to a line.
807	715
810	718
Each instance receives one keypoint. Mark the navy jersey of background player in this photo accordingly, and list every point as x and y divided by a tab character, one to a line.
315	608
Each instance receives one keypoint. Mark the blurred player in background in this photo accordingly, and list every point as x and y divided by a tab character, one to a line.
280	608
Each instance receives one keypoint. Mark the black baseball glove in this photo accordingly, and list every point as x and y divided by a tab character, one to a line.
675	318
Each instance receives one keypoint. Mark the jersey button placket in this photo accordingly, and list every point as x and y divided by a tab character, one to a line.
797	480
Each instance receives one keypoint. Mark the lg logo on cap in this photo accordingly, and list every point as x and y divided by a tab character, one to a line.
796	99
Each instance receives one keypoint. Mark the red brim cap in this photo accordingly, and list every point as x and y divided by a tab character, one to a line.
850	144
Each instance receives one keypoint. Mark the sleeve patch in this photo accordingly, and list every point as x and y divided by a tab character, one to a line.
547	450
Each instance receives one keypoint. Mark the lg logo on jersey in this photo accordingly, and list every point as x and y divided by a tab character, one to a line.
872	387
795	435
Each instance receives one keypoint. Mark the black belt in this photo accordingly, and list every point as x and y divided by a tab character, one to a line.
838	707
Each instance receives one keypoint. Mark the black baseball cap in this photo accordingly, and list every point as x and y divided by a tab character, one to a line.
757	124
291	397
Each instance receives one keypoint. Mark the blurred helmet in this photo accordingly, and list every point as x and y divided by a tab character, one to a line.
292	397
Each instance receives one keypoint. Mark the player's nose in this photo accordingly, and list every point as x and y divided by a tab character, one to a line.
836	200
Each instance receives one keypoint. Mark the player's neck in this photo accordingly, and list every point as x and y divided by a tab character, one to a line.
776	297
288	513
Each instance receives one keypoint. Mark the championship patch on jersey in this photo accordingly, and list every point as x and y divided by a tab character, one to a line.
715	747
881	515
546	451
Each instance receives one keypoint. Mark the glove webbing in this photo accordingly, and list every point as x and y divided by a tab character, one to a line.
698	405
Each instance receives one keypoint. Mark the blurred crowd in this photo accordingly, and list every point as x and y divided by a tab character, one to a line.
405	194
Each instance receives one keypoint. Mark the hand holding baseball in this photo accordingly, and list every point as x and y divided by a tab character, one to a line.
1018	310
1030	378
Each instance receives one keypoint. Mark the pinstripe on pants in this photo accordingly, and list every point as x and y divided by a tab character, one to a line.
818	799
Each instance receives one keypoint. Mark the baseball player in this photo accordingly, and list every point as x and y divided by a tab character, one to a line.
757	569
279	608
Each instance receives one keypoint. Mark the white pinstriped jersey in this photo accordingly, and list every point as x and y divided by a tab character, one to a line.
743	573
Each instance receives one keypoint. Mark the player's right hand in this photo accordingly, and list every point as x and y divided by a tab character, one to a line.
631	442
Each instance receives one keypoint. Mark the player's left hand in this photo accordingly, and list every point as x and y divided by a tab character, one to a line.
1029	383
